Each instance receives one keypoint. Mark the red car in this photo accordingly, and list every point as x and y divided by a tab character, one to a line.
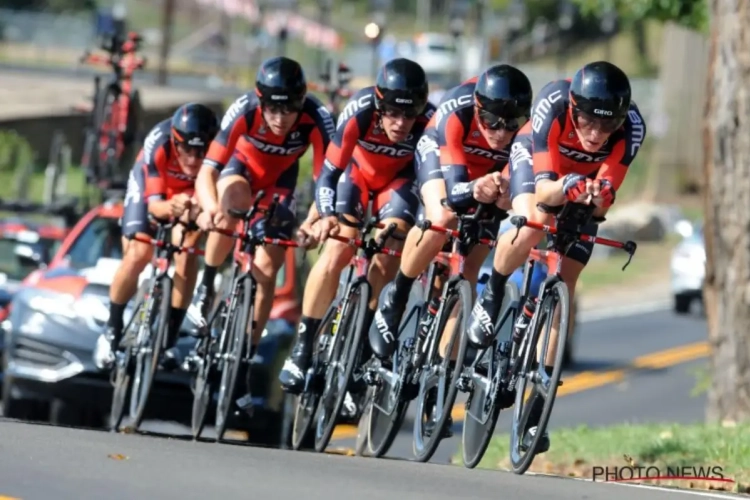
57	315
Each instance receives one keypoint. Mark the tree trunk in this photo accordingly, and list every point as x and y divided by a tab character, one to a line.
727	222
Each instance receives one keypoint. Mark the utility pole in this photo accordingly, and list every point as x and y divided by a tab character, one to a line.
166	40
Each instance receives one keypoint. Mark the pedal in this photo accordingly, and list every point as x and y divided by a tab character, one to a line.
372	377
191	363
245	403
464	383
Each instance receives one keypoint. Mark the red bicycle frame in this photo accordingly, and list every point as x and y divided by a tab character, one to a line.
454	260
241	256
362	262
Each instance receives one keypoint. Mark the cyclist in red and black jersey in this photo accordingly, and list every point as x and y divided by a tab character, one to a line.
370	158
582	137
262	137
460	158
162	183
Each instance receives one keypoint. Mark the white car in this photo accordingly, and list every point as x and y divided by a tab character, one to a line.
688	269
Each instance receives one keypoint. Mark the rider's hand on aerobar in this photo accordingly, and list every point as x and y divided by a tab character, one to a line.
490	187
179	203
325	227
306	235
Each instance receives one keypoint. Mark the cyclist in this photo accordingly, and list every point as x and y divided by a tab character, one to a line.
583	135
370	159
262	137
162	183
459	158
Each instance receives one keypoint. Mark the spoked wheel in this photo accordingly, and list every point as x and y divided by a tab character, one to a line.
123	373
306	403
389	404
204	383
542	386
148	346
231	354
340	367
482	408
437	386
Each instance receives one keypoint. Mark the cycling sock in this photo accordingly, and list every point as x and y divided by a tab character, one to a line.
496	283
116	312
402	283
306	331
176	317
209	275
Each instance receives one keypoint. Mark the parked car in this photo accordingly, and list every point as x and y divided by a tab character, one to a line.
540	273
688	271
57	315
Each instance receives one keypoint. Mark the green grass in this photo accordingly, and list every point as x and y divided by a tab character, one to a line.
575	452
36	185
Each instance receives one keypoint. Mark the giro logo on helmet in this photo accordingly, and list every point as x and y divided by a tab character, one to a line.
604	112
400	100
279	97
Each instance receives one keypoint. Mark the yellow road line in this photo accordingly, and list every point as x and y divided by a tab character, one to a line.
590	380
3	497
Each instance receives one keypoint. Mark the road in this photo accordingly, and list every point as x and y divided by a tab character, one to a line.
627	366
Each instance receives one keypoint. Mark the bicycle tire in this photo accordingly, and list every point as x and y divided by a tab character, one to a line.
204	383
379	445
306	404
123	377
423	451
557	293
147	369
362	442
473	448
352	325
233	350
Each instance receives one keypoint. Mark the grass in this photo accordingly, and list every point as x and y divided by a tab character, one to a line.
575	452
36	185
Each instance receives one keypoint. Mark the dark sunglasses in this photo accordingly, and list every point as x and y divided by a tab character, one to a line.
495	122
394	112
282	109
607	125
197	151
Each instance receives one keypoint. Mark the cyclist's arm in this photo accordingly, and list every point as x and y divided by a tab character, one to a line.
154	165
459	188
546	164
234	125
338	155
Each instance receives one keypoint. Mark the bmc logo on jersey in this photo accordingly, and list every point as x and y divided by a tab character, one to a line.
274	149
637	131
486	153
353	108
150	144
543	108
582	157
234	111
451	105
385	150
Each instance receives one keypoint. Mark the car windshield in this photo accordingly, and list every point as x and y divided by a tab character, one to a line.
15	268
99	239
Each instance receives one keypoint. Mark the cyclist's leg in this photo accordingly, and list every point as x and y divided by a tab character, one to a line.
323	279
185	277
136	256
233	189
269	259
509	255
416	258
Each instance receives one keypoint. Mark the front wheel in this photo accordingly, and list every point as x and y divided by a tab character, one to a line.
438	383
543	386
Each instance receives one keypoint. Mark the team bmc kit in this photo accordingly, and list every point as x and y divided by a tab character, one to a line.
409	197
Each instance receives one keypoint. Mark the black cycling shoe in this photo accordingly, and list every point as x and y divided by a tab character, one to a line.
481	330
383	336
172	359
294	371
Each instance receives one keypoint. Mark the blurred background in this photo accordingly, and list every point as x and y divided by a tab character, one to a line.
52	148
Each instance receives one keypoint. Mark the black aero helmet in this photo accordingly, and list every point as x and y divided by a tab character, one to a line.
194	125
402	84
503	95
602	90
281	82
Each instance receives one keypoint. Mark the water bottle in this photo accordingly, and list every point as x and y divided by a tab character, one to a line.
522	323
429	317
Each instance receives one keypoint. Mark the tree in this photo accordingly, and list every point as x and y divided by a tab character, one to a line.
727	207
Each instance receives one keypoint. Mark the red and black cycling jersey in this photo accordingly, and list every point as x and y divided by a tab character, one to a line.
557	150
163	175
465	155
268	156
360	139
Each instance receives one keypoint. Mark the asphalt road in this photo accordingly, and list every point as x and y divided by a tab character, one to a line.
604	387
627	368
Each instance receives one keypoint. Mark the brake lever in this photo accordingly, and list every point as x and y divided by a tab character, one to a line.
424	225
519	221
271	210
630	247
387	233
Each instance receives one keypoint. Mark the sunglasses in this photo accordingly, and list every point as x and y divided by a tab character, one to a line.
496	122
282	109
586	121
197	151
394	112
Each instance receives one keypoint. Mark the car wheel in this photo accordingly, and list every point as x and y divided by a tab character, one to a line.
682	304
70	415
20	409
